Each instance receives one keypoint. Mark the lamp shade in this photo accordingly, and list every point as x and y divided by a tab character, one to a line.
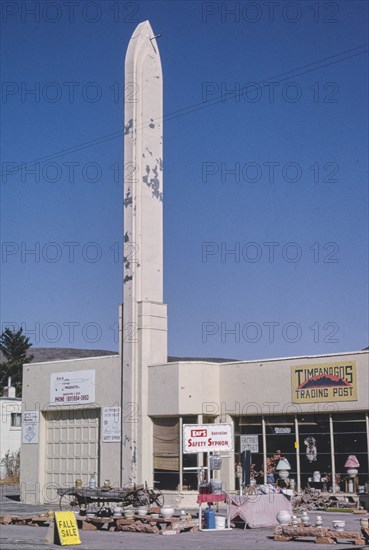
283	464
352	462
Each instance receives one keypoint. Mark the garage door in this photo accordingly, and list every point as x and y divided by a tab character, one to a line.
72	448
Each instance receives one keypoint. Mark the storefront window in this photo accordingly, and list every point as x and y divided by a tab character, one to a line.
280	439
166	452
172	470
315	448
315	433
189	460
350	439
249	435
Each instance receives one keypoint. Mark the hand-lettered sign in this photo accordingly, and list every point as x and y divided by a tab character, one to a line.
324	382
66	525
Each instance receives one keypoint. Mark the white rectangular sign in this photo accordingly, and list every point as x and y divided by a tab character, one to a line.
111	425
205	438
249	443
72	388
30	424
280	430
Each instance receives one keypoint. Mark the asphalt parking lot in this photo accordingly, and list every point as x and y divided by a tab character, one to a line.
24	537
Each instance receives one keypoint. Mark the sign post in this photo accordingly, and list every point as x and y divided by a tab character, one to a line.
208	438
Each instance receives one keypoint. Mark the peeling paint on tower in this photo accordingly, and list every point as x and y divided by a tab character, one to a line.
143	245
128	127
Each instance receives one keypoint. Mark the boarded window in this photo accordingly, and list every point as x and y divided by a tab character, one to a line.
166	443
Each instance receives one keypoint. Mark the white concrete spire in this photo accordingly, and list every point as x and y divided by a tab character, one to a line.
143	167
144	314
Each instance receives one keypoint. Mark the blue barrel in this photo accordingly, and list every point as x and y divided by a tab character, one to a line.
209	516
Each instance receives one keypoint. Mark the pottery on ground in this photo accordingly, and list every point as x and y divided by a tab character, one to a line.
338	524
318	521
166	512
283	517
295	521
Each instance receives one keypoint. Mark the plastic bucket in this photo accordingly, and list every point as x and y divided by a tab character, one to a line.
220	522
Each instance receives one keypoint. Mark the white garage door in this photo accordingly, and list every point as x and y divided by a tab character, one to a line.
72	448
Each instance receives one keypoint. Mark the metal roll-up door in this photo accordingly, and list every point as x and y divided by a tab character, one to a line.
72	448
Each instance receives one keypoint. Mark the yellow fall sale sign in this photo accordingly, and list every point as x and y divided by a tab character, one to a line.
66	525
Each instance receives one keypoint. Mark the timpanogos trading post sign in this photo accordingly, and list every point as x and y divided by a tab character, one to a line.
324	383
206	438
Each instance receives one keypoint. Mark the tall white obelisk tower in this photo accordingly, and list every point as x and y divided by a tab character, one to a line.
144	314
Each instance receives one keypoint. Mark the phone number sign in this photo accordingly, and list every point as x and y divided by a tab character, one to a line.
205	438
70	388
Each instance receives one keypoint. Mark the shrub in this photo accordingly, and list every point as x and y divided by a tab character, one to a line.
11	463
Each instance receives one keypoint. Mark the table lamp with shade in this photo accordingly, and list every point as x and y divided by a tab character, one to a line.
283	468
352	465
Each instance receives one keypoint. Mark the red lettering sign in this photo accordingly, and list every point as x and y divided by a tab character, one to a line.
199	433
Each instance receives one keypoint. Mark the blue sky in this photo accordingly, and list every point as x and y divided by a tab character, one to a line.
275	172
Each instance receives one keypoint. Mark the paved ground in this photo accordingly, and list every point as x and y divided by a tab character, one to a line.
13	537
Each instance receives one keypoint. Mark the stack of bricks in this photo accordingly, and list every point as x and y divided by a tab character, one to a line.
284	533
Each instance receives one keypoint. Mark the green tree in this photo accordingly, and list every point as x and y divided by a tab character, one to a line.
14	346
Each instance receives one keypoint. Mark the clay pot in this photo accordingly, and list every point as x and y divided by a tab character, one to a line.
295	521
318	521
338	524
166	512
283	517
